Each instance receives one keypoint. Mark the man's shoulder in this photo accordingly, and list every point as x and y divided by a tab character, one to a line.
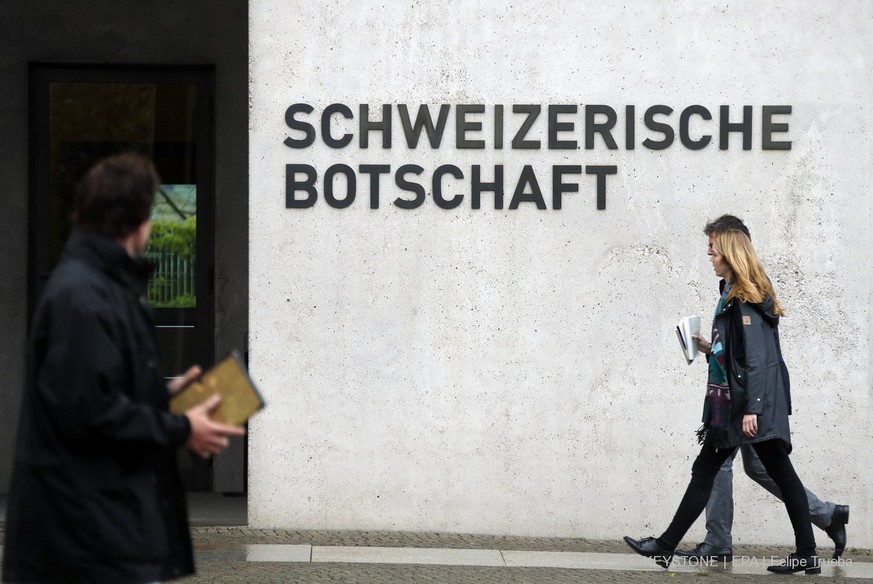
76	282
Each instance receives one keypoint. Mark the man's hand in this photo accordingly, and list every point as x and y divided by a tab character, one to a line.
177	383
208	437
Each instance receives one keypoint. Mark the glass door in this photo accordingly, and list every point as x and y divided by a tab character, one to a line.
81	114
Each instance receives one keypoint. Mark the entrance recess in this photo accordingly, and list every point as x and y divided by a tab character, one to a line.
80	114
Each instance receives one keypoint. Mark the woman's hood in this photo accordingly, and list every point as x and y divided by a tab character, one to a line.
767	308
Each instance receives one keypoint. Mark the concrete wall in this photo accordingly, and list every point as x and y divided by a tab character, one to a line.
131	32
516	371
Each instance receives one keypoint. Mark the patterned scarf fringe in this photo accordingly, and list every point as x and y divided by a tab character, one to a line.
702	433
719	437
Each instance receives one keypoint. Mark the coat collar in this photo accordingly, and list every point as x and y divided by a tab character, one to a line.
104	254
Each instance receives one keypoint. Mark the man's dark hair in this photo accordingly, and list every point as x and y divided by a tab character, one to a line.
116	195
726	223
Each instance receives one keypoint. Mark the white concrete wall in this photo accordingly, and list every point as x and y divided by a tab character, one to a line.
516	371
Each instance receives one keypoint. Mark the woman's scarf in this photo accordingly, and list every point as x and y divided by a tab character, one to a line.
717	406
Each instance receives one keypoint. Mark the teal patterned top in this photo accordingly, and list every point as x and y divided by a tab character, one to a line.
717	370
717	405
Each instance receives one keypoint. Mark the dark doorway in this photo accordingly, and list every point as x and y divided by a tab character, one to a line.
80	114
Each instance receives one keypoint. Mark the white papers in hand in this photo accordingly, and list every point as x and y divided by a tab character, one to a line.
687	327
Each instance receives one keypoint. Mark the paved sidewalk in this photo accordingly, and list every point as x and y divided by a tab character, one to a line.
227	552
237	554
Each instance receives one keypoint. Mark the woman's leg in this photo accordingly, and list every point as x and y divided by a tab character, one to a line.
775	459
703	473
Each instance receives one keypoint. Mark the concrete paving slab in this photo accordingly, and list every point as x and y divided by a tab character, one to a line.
389	555
746	565
537	559
852	570
829	568
586	561
278	552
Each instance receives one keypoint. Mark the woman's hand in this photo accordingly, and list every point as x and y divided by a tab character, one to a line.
750	425
703	345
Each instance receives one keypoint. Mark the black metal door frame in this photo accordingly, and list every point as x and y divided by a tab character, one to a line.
41	76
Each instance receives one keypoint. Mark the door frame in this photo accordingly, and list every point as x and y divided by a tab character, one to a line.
203	76
40	76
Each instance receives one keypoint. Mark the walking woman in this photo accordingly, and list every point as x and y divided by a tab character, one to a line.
747	400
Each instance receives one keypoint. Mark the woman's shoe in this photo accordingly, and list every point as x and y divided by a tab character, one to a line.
648	547
795	563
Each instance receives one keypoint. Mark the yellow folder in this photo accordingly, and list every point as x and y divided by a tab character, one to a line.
240	398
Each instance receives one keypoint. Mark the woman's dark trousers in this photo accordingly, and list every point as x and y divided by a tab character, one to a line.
775	459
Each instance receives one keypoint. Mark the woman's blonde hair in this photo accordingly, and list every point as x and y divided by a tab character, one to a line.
750	283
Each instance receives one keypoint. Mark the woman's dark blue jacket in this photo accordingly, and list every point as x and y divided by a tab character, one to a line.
757	375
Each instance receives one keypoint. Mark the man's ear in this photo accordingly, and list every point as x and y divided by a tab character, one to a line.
137	240
143	233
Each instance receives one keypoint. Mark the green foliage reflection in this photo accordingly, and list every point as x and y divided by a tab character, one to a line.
173	246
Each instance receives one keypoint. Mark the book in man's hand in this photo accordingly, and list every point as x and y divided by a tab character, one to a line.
240	398
687	327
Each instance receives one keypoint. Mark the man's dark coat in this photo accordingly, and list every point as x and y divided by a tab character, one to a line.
95	493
